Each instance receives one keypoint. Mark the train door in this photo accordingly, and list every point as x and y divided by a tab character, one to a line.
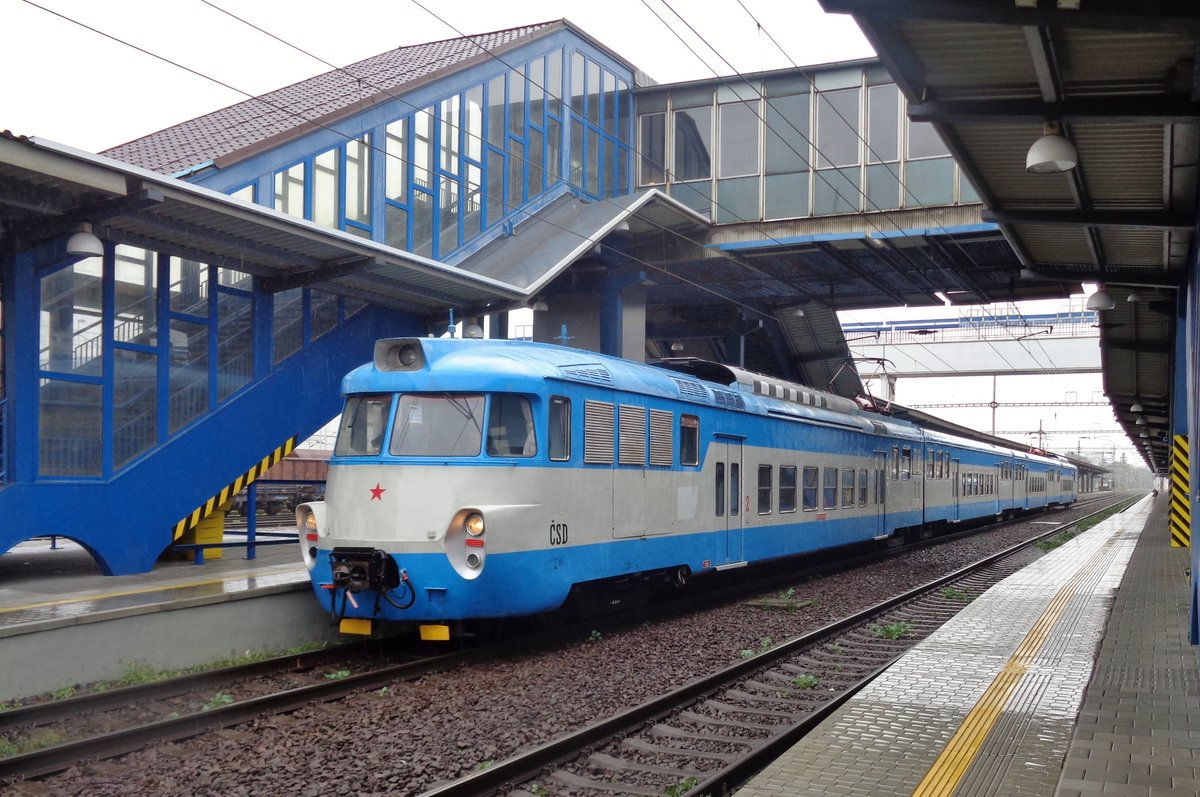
1010	493
731	504
880	496
955	492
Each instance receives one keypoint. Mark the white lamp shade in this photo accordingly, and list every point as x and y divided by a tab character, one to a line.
85	244
1051	154
1100	300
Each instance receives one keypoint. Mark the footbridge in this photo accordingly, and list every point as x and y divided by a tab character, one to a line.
978	344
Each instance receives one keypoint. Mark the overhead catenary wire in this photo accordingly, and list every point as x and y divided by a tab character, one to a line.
377	149
820	173
768	126
719	295
887	165
467	132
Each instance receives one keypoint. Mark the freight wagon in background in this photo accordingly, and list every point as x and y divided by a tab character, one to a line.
297	478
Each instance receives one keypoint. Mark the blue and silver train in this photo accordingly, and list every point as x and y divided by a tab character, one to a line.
480	479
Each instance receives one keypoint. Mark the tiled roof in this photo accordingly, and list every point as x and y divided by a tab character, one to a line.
320	98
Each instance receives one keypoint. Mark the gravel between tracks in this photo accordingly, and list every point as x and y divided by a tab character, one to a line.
409	737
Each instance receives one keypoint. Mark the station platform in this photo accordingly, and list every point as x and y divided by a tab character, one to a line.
1071	677
62	622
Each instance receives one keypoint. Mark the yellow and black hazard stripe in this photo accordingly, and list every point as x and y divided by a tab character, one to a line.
233	488
1181	491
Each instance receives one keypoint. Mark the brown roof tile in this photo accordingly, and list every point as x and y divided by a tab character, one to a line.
288	111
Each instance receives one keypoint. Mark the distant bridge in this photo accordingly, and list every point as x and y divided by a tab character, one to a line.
978	344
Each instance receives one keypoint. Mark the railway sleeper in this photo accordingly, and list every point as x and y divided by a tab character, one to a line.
671	732
838	672
575	782
643	746
753	699
866	642
730	708
700	719
763	690
806	664
612	763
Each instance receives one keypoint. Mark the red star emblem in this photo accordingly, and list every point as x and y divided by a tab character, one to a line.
377	492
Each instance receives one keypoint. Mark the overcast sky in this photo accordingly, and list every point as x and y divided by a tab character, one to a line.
75	86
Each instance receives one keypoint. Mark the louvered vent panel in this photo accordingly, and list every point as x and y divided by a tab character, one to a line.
632	435
662	438
731	400
594	373
598	432
691	390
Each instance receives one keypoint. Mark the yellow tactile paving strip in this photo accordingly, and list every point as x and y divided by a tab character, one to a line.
987	704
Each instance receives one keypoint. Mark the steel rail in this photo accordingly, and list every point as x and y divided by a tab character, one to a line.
56	758
528	765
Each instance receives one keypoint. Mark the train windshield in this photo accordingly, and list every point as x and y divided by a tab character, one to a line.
364	421
438	425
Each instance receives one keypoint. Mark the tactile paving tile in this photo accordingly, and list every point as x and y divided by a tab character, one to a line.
886	739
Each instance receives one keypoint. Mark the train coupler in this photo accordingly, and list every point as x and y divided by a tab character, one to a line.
362	569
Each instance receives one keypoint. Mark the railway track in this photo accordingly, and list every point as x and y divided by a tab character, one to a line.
176	708
711	735
136	717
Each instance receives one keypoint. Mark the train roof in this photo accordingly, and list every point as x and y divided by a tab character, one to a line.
458	364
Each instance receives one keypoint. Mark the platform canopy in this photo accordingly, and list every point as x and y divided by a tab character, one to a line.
48	191
1118	81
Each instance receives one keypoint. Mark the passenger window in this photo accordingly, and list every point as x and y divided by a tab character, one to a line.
931	464
364	420
560	428
848	487
906	463
764	489
862	487
720	485
689	440
510	427
895	462
810	489
787	488
830	498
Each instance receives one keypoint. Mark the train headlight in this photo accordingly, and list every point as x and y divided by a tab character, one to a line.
474	524
310	527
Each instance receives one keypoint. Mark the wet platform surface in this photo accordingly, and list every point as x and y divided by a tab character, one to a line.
1072	677
46	585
